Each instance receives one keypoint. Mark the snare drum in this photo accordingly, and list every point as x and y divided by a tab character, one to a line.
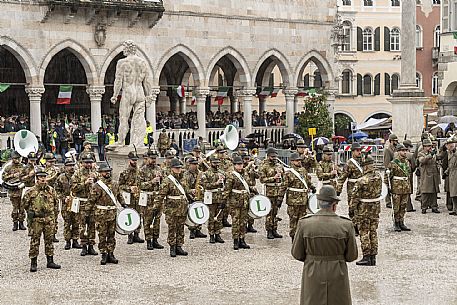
259	206
197	214
127	221
313	206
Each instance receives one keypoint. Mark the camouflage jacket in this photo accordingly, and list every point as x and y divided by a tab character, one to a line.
62	187
350	172
267	171
41	200
53	173
12	174
209	183
368	188
226	165
163	142
147	175
400	175
175	203
189	181
128	178
324	172
28	175
166	169
251	174
235	191
79	187
100	199
297	194
308	162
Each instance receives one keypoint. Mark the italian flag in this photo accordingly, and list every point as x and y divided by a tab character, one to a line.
221	94
266	91
181	91
64	97
275	91
302	92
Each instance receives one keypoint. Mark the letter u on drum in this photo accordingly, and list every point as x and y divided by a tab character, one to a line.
197	214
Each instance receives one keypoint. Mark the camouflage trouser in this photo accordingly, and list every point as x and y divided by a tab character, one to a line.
175	229
239	218
214	224
429	200
399	205
368	220
71	225
150	215
18	213
40	226
271	222
225	213
106	235
195	228
87	219
139	209
295	212
56	216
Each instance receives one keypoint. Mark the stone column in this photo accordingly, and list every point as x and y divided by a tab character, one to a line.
34	94
246	95
201	93
262	104
296	103
183	103
95	95
234	104
331	106
151	110
290	93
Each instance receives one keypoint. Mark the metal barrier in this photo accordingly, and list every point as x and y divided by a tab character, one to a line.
376	151
283	155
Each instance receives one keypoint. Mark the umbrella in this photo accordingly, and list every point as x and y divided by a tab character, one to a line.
292	136
358	135
448	119
254	135
321	141
339	138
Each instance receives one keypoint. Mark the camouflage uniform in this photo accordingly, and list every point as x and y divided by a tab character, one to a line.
163	143
165	168
128	178
190	181
350	172
209	182
226	166
53	173
324	173
308	162
251	175
71	219
13	173
400	186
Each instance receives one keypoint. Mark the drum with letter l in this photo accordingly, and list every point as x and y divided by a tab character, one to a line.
313	206
127	221
259	206
197	214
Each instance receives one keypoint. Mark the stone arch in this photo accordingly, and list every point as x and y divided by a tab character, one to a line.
23	56
189	56
377	112
321	62
346	113
277	59
80	52
238	61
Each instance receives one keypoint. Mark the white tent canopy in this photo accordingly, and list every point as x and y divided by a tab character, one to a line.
371	123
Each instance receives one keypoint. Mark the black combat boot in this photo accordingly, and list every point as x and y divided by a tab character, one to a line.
149	245
373	260
435	210
15	225
219	239
243	244
130	239
104	259
180	251
397	227
33	264
173	251
76	245
21	226
67	245
225	223
270	234
84	250
155	244
236	244
200	234
211	239
137	238
402	226
54	239
192	234
424	211
51	263
365	261
112	259
250	229
91	250
276	234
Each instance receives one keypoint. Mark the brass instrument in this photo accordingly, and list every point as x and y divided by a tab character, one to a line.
199	190
13	184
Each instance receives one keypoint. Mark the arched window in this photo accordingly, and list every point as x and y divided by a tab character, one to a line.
437	37
368	39
367	80
418	37
317	79
418	80
395	2
435	84
347	28
395	81
367	2
395	39
346	82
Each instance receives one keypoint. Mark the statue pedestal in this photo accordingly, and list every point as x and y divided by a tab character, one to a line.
118	160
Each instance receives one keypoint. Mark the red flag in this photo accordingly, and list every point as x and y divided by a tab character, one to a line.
220	100
193	101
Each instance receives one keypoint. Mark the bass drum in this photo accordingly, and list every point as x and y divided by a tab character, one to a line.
127	221
259	206
197	214
313	206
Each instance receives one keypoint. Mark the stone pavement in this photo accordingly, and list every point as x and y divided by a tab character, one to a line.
413	268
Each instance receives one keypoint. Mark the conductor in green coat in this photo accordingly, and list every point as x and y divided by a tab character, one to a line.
325	242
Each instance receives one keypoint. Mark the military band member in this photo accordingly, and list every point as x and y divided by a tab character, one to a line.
53	171
105	212
163	143
190	178
39	203
429	178
238	193
327	170
366	201
129	182
81	183
412	164
271	174
150	179
87	151
397	178
196	152
173	195
308	161
226	166
389	152
28	177
62	187
251	175
212	182
12	175
165	166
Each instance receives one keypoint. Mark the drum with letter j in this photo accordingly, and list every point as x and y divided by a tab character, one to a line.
127	221
259	206
197	214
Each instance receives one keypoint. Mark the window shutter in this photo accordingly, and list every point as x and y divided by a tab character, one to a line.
377	84
386	84
377	39
386	39
359	39
359	84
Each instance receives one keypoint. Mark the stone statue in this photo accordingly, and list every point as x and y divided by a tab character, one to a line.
133	77
100	34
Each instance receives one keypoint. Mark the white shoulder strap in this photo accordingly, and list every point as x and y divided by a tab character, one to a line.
177	184
297	174
109	192
356	164
245	184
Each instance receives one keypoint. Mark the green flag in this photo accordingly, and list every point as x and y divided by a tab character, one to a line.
3	87
455	35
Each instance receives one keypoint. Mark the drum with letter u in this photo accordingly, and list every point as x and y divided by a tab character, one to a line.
313	206
127	221
197	214
259	206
